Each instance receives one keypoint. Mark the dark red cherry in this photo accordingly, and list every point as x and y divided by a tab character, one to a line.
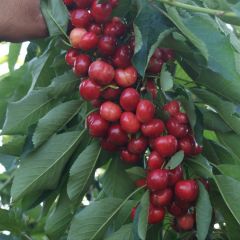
129	122
153	129
81	65
129	158
145	111
176	129
162	198
176	210
122	57
88	41
166	146
186	222
186	144
117	136
80	18
89	90
155	65
129	99
107	45
172	107
110	111
111	93
181	118
152	88
101	12
137	145
83	3
186	190
155	215
175	175
107	145
157	179
70	56
140	182
168	54
155	161
95	28
114	3
115	28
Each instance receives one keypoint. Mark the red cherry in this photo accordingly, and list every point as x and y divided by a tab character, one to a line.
111	93
181	117
162	198
155	215
107	145
186	190
155	65
102	72
129	158
81	65
115	28
89	90
168	54
197	149
122	57
70	56
166	146
101	12
129	99
95	28
91	117
129	122
172	108
114	3
137	145
158	53
126	77
175	175
155	161
145	111
117	136
68	2
176	210
140	182
133	212
206	183
153	129
107	45
88	41
152	88
80	18
186	222
110	111
76	35
186	144
97	125
96	103
176	129
157	179
83	3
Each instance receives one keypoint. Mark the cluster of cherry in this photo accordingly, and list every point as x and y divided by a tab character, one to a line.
101	54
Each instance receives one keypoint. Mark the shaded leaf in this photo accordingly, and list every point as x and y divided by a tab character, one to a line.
124	233
175	160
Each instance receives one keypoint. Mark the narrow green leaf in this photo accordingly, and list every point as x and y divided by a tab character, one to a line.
124	233
230	170
14	51
175	160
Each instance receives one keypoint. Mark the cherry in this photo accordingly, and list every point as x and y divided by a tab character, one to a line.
166	146
162	198
91	117
140	182
115	28
155	215
89	90
176	210
129	122
81	65
95	28
197	149
88	41
172	108
129	99
75	35
111	93
107	145
137	145
68	2
176	129
126	77
114	3
110	111
186	144
70	56
145	111
155	65
181	117
122	57
83	3
80	18
168	54
186	222
133	213
153	129
129	158
155	161
186	190
157	179
102	72
206	183
117	136
158	53
97	125
151	88
96	103
175	175
101	12
107	45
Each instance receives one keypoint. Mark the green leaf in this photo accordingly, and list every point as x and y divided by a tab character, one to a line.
143	216
116	182
136	172
56	16
82	171
229	189
124	233
14	51
41	170
175	160
203	212
122	9
166	79
54	120
230	170
150	27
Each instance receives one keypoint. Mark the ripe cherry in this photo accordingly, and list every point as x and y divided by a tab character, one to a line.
175	175
97	125
114	3
117	136
158	53
96	103
110	111
129	158
140	182
126	77
70	56
186	222
89	90
122	57
111	93
157	179
166	146
95	28
152	88
176	129
186	190
137	145
107	145
145	111
81	65
172	108
83	3
186	144
155	65
129	122
168	54
153	128
197	149
107	45
101	12
88	41
181	118
155	215
162	198
68	2
102	72
206	183
115	28
129	99
176	210
80	18
155	161
75	35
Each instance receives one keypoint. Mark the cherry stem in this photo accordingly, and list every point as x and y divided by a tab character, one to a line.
109	86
